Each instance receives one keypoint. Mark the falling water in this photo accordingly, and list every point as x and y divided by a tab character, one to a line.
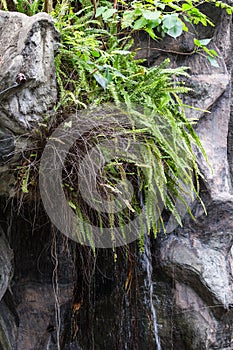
147	260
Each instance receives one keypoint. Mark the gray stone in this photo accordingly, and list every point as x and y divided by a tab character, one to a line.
8	324
29	47
6	269
30	44
7	145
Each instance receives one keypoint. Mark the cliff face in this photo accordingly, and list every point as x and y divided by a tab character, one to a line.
51	288
198	258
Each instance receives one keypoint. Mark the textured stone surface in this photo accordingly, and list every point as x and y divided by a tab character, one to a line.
8	329
8	323
6	269
211	93
204	253
36	310
30	44
197	259
7	145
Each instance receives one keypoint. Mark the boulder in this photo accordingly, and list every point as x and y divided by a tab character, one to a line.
30	44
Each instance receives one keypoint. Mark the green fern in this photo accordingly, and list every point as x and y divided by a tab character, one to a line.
96	66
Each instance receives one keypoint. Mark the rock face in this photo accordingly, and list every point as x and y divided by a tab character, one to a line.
6	268
62	292
8	328
30	44
197	260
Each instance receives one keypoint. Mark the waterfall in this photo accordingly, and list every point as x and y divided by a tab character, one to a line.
147	262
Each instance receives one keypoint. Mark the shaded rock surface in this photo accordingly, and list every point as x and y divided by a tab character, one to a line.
199	261
6	268
8	329
9	323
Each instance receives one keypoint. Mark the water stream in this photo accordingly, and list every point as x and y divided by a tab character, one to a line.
147	262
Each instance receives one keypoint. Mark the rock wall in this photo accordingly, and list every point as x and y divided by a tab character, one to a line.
193	266
28	46
197	259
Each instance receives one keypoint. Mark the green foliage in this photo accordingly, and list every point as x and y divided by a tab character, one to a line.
165	15
4	4
96	65
157	158
160	18
211	54
29	7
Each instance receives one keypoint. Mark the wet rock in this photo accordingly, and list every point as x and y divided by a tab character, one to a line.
7	145
9	323
6	269
8	327
36	307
